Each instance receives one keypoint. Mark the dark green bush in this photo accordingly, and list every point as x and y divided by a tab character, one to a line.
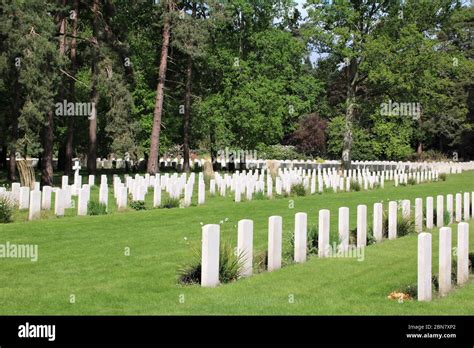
410	289
259	195
96	208
442	176
411	181
138	205
6	210
260	261
355	186
169	203
298	190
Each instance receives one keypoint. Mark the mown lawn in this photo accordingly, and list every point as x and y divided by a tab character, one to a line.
85	257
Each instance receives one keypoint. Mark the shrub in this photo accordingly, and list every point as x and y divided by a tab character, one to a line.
446	218
442	176
96	208
312	243
430	155
6	210
411	181
353	236
260	261
471	261
410	289
259	195
310	135
298	190
405	227
138	205
278	152
169	203
355	186
328	190
230	266
370	238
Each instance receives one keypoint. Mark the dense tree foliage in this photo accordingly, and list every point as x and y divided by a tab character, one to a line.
203	75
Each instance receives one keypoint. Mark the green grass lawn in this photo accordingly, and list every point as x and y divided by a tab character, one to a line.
85	257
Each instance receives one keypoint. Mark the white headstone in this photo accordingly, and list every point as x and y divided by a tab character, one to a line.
24	202
104	194
419	215
46	198
458	214
301	232
378	221
343	228
392	220
406	211
210	255
450	207
429	213
323	233
82	201
59	202
201	192
274	242
35	205
424	267
361	226
245	246
467	206
463	253
439	211
444	260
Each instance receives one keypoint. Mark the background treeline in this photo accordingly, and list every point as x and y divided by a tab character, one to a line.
169	76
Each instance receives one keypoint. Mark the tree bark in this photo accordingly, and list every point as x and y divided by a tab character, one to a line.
352	72
187	114
92	154
153	160
68	153
47	170
47	156
187	107
14	131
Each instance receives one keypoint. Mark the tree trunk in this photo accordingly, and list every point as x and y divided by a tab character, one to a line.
92	154
47	156
352	77
153	160
48	130
187	114
14	131
347	142
420	141
68	153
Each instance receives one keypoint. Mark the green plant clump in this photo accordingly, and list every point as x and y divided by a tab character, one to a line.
138	205
96	208
169	203
6	210
230	266
298	190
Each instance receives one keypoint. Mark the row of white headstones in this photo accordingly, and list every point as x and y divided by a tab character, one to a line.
244	183
211	239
